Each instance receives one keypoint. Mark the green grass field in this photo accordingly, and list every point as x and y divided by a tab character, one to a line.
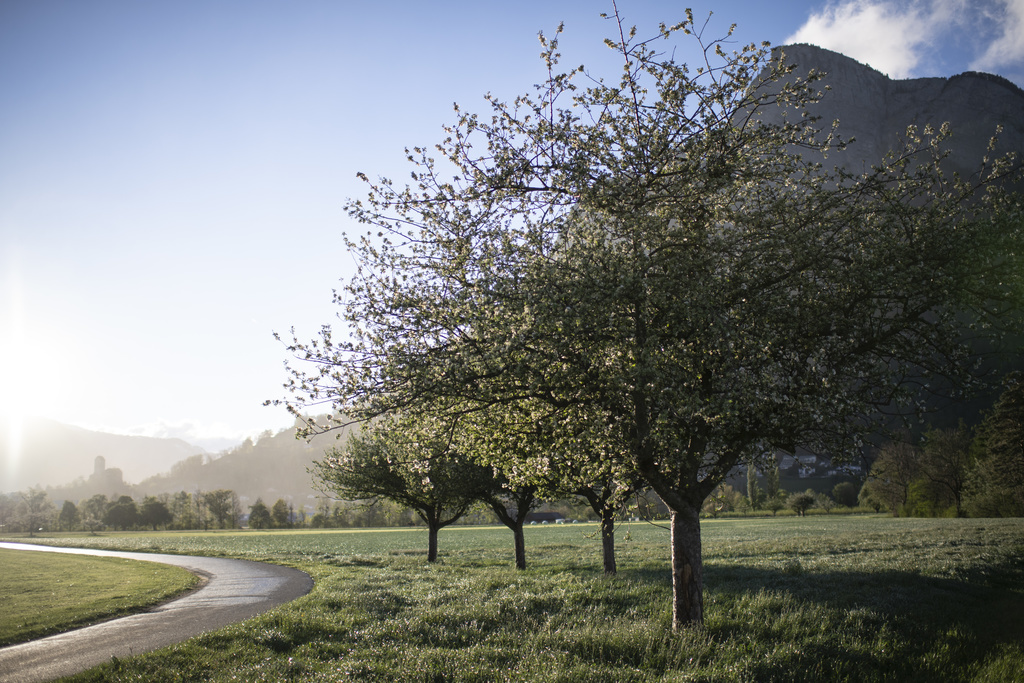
45	593
823	598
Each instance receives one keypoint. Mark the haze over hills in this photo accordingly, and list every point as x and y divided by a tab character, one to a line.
271	467
51	454
74	464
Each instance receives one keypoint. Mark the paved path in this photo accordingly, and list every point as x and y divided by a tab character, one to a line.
234	590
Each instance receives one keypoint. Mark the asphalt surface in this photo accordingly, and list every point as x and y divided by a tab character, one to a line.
234	590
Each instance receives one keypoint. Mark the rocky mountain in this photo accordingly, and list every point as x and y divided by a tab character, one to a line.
50	453
875	110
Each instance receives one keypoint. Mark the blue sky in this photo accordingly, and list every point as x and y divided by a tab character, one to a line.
173	174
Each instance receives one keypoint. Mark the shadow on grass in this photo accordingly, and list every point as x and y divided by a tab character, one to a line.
870	625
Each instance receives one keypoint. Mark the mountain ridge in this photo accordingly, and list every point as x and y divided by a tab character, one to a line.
876	110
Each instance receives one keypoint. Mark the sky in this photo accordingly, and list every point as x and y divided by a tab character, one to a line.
173	175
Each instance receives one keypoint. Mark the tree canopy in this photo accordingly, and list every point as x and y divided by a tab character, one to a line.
415	467
997	486
259	515
668	283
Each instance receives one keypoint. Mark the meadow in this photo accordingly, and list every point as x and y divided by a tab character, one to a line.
45	593
821	598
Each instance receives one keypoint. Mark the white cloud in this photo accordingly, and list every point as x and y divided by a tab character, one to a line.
1006	51
212	437
891	37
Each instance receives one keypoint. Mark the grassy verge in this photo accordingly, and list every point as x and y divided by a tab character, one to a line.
45	593
812	599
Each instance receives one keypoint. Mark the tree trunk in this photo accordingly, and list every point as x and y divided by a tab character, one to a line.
687	570
524	501
520	546
608	540
432	542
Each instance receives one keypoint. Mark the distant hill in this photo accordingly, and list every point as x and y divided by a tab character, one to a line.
271	467
53	454
75	463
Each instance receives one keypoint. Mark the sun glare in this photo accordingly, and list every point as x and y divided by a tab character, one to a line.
40	371
27	368
12	373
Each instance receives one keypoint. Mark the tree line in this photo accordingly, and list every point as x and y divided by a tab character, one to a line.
765	494
958	471
32	510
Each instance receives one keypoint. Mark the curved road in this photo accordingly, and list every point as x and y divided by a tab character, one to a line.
234	590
